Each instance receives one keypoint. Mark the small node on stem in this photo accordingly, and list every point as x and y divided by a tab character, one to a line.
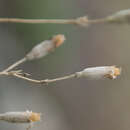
82	21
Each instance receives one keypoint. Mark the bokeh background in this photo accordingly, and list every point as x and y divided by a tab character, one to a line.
76	104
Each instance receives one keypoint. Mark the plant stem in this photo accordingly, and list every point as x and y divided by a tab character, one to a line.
48	21
15	64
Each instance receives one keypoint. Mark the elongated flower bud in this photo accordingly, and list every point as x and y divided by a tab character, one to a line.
45	47
20	117
121	17
110	72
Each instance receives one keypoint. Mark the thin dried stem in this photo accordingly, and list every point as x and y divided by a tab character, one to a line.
46	81
97	21
35	21
21	75
15	64
80	21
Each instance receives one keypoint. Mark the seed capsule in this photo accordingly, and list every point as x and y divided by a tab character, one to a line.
20	117
45	47
110	72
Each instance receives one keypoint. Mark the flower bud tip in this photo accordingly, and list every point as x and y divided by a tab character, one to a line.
58	39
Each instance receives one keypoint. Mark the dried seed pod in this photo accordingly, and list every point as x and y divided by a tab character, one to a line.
20	117
45	47
121	17
110	72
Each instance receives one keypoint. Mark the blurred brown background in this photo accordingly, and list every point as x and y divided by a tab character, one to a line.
72	104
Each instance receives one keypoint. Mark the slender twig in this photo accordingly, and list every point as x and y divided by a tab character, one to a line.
36	21
80	20
15	64
46	81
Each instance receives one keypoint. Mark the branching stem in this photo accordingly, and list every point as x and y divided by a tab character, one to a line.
21	75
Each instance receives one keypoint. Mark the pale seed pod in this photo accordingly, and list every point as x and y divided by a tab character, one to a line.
102	72
121	17
45	47
20	117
